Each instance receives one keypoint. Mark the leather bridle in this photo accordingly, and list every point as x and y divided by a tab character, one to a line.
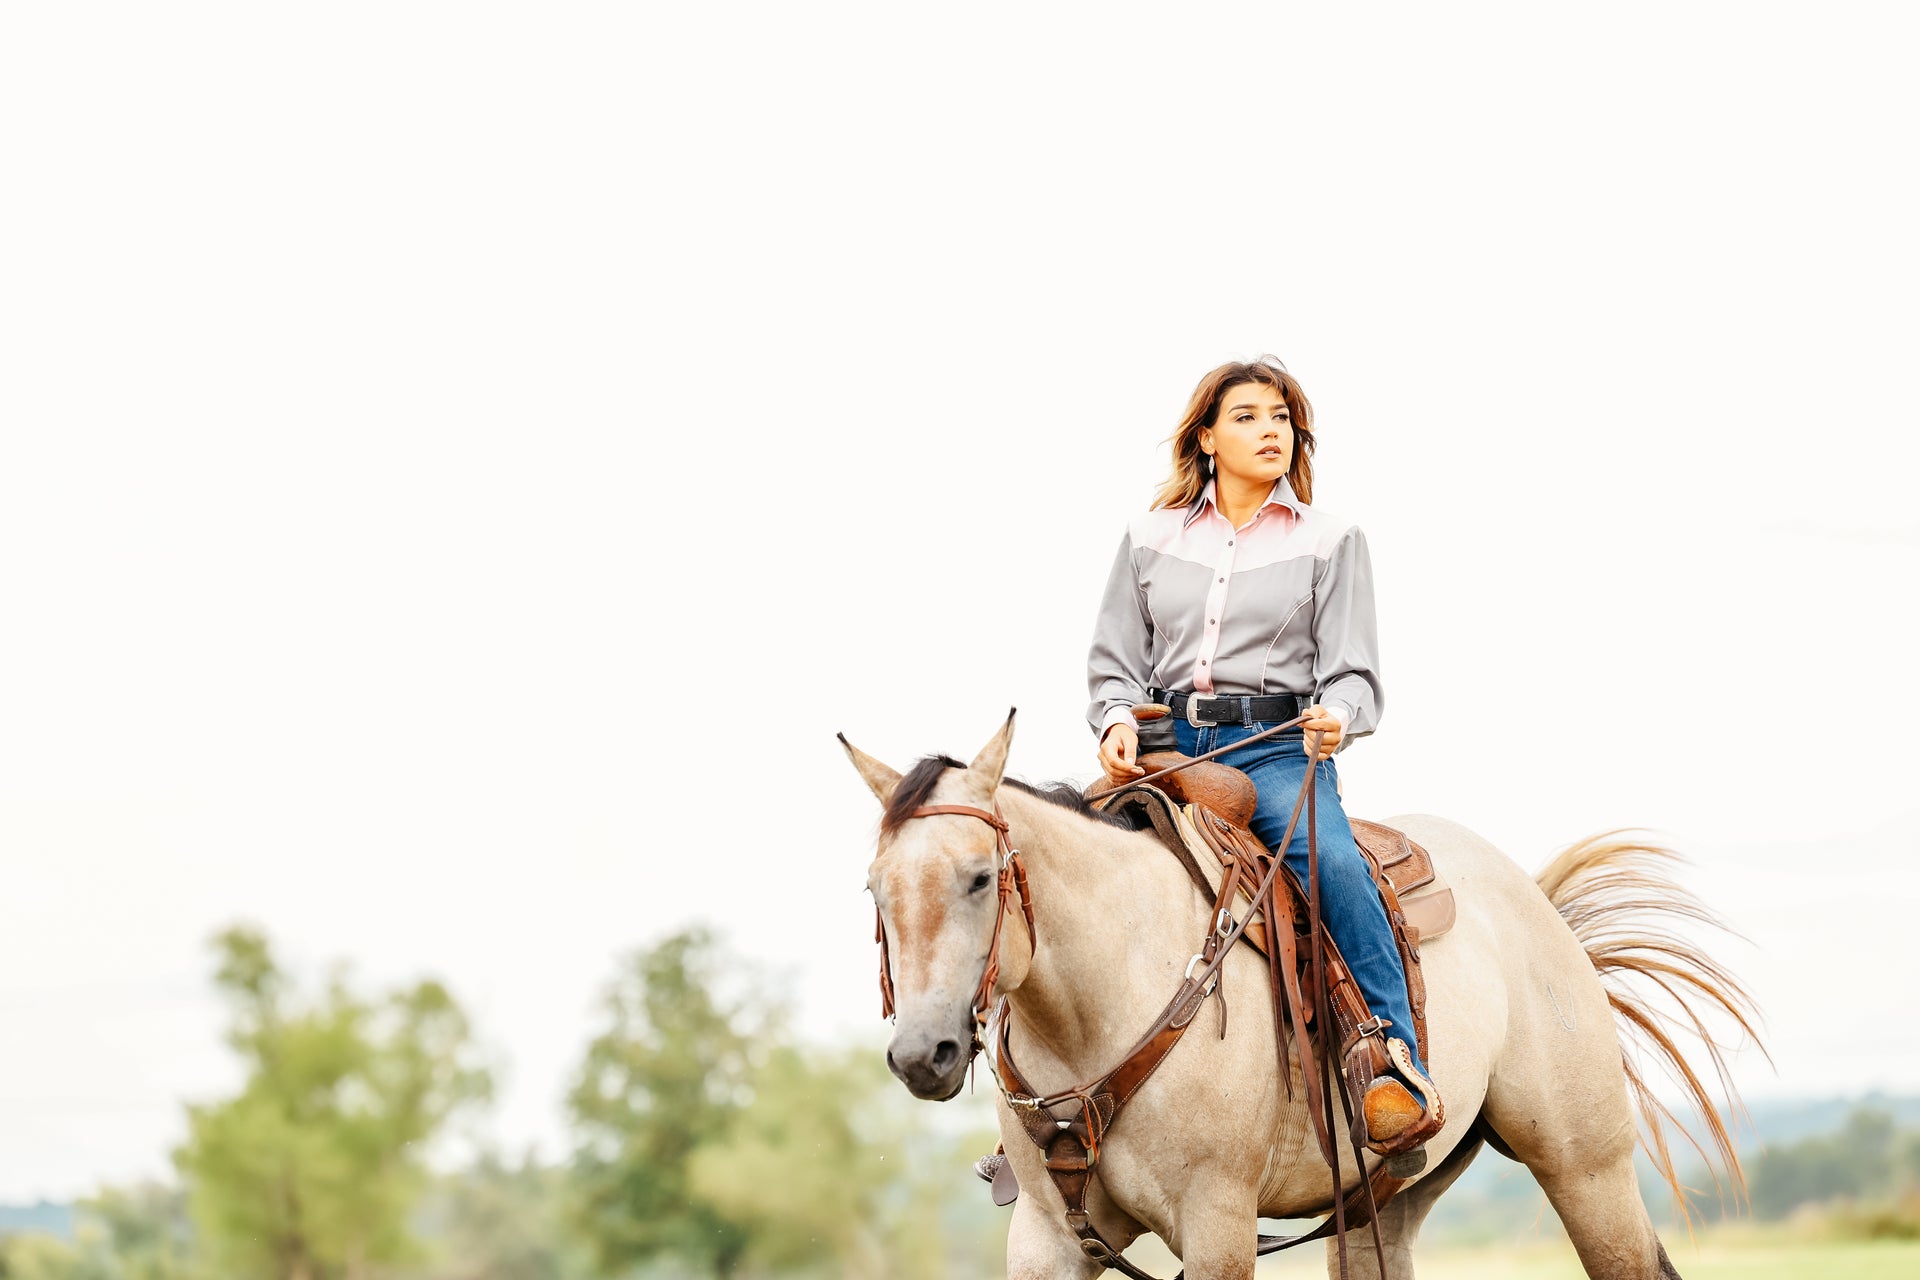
1012	873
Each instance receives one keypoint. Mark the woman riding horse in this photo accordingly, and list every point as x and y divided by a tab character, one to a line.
1240	605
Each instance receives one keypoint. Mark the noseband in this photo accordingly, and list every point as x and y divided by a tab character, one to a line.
1013	879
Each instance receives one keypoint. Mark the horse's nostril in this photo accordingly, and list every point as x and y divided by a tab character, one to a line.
891	1064
945	1054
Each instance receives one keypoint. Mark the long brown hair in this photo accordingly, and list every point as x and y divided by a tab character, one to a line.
1189	475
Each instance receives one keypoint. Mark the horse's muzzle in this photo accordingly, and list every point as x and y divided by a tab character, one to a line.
933	1065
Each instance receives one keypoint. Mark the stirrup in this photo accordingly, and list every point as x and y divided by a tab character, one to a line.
995	1171
1387	1097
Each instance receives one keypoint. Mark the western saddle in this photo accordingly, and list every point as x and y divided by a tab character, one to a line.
1201	814
1204	811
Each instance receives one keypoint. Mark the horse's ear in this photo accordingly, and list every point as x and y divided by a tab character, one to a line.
991	764
879	777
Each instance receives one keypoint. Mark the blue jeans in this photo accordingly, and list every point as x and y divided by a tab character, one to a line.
1349	902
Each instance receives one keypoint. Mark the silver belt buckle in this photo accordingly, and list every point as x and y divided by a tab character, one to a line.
1193	712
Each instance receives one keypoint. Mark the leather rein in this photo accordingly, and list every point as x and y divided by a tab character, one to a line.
1072	1146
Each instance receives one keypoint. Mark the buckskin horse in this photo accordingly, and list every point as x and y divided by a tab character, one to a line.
1523	997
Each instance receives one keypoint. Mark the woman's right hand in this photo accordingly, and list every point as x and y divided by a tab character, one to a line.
1120	754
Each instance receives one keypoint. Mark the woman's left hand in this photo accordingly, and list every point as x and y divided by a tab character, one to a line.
1319	718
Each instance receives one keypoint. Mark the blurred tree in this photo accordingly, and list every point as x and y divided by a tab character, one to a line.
709	1140
123	1233
310	1172
794	1168
146	1230
1907	1162
502	1221
34	1255
1855	1163
664	1078
831	1166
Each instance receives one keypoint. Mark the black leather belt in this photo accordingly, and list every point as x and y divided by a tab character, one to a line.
1204	710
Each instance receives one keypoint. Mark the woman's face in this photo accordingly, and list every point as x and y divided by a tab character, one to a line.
1251	438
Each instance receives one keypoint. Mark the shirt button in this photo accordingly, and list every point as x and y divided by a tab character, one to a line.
1223	579
1229	541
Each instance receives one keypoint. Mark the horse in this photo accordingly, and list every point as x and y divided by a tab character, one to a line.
1523	997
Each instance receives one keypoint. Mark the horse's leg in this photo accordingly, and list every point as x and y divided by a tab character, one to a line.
1568	1120
1400	1222
1039	1246
1219	1229
1599	1204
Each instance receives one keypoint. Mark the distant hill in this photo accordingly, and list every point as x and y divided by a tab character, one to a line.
53	1219
1498	1199
1783	1120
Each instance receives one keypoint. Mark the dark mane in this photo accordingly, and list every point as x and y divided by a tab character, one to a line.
918	783
1068	797
913	790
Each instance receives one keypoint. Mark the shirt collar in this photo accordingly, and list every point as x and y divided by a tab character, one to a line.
1281	496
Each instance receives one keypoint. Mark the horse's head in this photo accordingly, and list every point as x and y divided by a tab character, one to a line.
935	881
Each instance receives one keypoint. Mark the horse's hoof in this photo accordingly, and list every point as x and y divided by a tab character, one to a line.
1407	1163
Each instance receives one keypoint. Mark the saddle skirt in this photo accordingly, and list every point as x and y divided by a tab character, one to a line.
1201	817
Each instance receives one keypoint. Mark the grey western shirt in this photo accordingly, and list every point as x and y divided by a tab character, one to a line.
1283	604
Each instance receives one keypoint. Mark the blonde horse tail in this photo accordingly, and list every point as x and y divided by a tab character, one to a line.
1620	899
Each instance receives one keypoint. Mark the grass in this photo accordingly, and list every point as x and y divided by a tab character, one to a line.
1736	1256
1747	1260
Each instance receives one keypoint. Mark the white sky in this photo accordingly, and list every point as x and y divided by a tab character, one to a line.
462	463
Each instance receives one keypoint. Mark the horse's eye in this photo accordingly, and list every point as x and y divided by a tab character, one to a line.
980	882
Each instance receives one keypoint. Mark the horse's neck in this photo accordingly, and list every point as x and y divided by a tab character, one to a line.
1116	924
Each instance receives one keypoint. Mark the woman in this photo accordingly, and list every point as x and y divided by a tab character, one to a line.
1240	605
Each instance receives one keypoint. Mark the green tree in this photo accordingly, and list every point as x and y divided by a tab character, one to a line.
310	1172
499	1220
830	1166
1855	1163
664	1078
1907	1163
34	1255
710	1140
122	1233
145	1229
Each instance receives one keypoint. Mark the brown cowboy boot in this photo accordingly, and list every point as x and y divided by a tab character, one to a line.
1397	1123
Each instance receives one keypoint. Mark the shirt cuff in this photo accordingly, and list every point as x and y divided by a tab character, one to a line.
1339	711
1121	714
